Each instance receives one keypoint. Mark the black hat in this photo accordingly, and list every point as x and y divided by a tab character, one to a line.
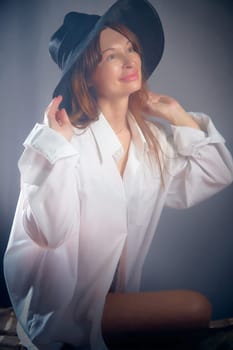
78	29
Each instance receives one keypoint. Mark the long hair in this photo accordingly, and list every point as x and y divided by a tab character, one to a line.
84	108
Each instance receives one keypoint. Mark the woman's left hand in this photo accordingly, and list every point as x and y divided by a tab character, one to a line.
168	108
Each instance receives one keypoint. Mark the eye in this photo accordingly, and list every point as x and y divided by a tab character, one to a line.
111	57
131	49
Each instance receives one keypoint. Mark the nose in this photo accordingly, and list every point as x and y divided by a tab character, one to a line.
128	61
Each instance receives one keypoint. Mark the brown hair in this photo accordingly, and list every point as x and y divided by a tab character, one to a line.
84	104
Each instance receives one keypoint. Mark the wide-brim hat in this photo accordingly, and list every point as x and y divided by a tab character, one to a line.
78	29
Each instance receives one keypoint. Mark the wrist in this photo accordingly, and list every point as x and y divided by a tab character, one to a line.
185	119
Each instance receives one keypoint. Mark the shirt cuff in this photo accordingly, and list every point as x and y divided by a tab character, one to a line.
49	143
188	140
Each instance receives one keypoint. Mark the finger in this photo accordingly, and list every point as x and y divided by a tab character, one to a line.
153	95
62	117
53	107
54	122
53	113
50	104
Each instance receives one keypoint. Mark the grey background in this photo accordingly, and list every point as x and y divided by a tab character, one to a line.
192	248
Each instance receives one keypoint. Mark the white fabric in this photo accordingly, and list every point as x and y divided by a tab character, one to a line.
76	218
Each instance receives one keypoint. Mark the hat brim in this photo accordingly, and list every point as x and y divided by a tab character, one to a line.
142	19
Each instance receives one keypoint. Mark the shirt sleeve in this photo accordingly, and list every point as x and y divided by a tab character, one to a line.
44	241
49	185
200	163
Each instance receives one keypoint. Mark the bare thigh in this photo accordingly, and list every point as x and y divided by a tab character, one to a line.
154	311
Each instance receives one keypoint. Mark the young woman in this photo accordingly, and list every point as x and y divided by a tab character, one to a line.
94	179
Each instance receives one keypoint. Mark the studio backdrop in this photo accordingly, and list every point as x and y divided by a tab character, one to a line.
192	248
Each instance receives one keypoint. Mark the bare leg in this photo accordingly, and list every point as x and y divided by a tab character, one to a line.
155	311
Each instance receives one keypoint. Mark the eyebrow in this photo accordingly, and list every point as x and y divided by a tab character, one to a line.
109	49
113	48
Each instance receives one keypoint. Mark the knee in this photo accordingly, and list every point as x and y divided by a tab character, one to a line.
200	309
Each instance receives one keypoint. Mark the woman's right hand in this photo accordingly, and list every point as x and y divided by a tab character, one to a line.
58	120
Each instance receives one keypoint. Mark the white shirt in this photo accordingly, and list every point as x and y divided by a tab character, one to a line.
77	218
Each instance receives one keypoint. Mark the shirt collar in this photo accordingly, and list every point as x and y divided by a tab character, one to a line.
108	142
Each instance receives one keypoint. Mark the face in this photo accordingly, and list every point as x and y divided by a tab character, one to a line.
119	73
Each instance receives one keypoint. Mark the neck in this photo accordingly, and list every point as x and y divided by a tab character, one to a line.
115	112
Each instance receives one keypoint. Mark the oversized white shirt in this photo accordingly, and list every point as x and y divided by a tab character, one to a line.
77	220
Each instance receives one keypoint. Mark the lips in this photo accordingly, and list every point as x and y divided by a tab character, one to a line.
130	77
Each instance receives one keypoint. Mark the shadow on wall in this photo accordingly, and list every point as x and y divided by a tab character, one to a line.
201	77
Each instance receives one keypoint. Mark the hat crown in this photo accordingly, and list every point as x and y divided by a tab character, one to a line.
76	27
78	30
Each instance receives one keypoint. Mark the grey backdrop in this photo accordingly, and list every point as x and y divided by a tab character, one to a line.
192	248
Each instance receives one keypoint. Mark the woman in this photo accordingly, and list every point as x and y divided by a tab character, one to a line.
95	177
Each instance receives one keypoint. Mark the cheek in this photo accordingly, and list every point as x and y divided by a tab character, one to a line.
139	63
111	70
105	78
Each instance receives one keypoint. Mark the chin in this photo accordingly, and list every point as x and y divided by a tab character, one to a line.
135	89
134	86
